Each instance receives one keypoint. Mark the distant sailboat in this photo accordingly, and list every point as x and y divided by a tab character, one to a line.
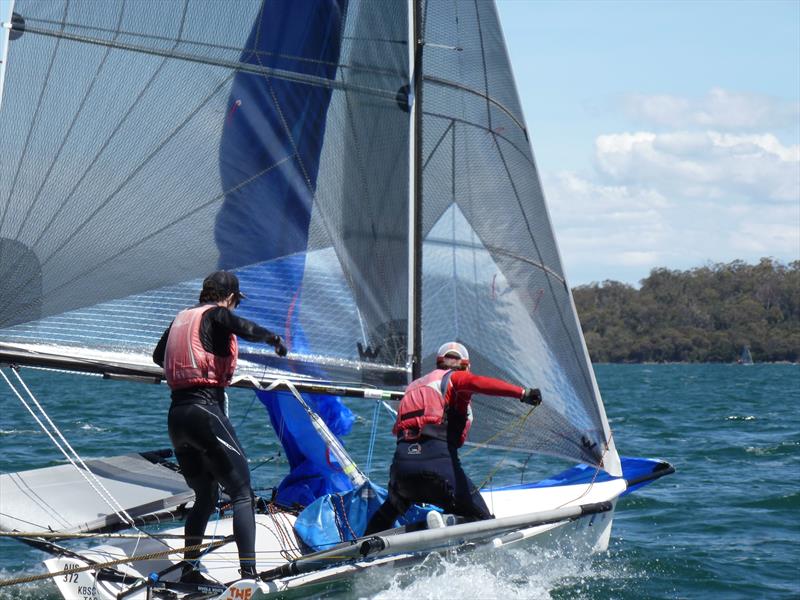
746	358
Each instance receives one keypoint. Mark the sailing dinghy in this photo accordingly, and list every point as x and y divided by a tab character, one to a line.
746	358
365	168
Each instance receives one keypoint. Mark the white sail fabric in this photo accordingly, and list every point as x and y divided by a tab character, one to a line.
58	499
146	144
493	277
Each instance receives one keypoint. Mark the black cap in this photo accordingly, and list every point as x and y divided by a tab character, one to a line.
224	282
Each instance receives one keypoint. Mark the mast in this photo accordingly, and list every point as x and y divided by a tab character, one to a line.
415	190
5	31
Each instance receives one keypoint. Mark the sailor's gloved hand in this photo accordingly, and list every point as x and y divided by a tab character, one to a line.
532	396
280	347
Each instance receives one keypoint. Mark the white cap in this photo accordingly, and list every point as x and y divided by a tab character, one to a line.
453	350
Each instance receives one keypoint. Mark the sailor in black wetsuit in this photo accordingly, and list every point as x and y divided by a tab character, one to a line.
198	352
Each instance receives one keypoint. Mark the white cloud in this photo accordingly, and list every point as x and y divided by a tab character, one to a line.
623	231
706	164
719	109
713	182
611	225
638	259
767	232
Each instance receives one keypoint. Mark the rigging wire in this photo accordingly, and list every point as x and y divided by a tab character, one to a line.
96	484
112	563
246	412
104	495
372	436
388	407
520	424
121	536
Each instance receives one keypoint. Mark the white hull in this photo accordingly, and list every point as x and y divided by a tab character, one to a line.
274	547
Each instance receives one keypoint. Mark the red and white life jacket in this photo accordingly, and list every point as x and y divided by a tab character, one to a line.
187	363
424	407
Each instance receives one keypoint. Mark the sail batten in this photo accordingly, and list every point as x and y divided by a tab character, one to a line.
263	71
206	44
464	88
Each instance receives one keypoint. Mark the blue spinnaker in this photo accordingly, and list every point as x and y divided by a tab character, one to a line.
269	160
274	129
314	471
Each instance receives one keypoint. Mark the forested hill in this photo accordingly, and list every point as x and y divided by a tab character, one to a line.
706	314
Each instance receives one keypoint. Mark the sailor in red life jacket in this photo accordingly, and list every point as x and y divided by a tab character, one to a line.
198	352
433	421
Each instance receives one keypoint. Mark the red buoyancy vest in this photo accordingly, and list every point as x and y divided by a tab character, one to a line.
424	407
187	363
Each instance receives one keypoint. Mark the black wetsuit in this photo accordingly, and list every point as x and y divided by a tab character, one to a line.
429	471
206	446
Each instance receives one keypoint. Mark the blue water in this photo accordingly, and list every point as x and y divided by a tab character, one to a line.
726	525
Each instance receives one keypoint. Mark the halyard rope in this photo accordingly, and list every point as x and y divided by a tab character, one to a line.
284	535
344	516
520	422
597	469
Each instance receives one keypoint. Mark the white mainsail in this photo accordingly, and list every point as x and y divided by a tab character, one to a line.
194	136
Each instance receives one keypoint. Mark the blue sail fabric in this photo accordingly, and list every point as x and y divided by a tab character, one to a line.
637	472
273	133
313	471
336	518
269	159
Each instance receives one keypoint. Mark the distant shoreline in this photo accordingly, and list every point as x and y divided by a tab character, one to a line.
712	314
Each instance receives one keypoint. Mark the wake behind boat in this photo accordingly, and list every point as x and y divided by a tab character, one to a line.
365	169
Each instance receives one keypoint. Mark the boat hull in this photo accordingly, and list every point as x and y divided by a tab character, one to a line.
276	545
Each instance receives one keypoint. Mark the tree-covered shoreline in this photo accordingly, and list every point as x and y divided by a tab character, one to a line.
707	314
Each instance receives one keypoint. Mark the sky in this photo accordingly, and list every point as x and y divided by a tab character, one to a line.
667	134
